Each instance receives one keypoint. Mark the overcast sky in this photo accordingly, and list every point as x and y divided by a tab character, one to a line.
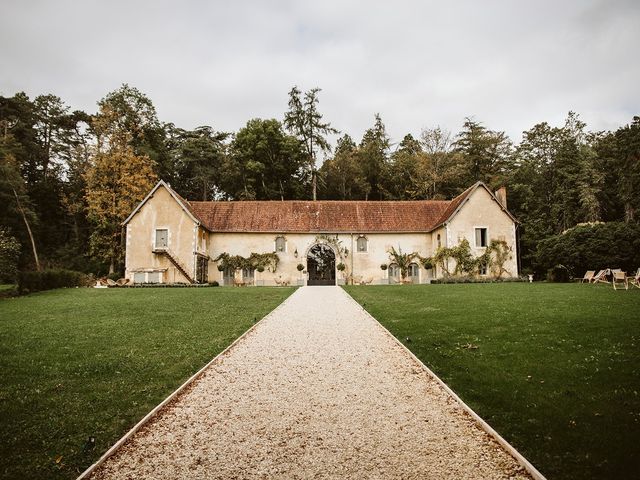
510	64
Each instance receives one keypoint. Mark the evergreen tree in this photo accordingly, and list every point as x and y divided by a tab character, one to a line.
305	122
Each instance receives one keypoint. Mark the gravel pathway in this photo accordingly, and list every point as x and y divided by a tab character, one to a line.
316	390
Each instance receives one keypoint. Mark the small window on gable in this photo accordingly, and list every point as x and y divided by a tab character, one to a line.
481	237
362	243
439	241
162	238
281	244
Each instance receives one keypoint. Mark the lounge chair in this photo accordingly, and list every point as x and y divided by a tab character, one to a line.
111	283
620	280
588	276
635	280
601	276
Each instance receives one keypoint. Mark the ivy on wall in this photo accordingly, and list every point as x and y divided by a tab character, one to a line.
493	258
257	261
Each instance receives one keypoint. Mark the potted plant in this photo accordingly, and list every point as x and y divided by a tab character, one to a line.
427	263
341	267
220	268
300	267
260	268
383	267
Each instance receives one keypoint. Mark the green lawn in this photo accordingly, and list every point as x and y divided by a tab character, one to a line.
77	363
554	368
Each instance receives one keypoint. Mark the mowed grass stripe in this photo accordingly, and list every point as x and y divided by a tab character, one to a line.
554	368
82	363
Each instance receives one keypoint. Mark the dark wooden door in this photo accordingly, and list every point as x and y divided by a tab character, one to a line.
321	265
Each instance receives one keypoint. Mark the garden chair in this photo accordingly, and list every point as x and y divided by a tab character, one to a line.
620	279
588	276
601	276
111	283
635	280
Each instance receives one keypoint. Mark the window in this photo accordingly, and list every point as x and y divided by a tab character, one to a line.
147	277
281	244
414	271
482	270
362	243
439	241
394	273
481	237
162	238
248	275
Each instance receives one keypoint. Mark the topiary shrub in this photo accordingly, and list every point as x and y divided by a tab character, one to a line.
300	267
29	282
341	267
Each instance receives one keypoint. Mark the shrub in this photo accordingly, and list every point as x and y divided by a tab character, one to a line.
341	266
383	267
214	284
49	279
9	254
115	276
558	273
591	247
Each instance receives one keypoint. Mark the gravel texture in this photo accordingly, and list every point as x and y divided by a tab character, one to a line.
317	390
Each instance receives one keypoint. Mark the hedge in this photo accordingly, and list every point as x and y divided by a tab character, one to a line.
29	282
591	247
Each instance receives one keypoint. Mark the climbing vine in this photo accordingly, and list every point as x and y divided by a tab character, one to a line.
258	261
403	260
336	243
493	258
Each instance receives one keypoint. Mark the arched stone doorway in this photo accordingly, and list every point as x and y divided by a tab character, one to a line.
321	265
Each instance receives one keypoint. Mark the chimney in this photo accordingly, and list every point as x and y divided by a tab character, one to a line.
501	195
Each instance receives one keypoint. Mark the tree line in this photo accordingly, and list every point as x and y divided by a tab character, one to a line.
68	178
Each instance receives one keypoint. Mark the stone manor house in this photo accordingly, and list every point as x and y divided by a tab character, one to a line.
172	240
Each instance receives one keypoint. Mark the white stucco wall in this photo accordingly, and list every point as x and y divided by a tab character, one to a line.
481	210
160	211
365	266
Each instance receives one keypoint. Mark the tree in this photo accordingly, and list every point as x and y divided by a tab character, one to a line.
264	163
373	154
198	156
305	122
403	260
484	151
118	177
628	143
341	177
440	168
9	254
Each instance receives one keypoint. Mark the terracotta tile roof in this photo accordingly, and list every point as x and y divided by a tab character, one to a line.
454	204
320	216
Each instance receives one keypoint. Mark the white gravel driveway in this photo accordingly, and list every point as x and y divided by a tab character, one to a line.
316	390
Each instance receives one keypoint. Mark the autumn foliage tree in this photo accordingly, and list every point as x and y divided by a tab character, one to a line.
118	177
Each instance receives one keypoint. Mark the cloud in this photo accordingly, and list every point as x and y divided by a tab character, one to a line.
419	64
